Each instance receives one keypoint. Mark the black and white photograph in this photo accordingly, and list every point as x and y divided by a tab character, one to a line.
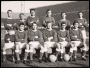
44	33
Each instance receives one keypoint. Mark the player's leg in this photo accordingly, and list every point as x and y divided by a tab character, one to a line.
33	45
26	52
41	52
83	52
22	47
7	46
17	51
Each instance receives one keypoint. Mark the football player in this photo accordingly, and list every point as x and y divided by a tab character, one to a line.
32	18
21	41
63	40
50	39
76	41
9	39
63	15
35	41
21	20
9	23
82	25
48	18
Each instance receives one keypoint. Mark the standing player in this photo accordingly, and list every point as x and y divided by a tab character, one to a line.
21	40
9	23
35	40
32	18
64	40
9	44
82	24
50	38
76	41
63	15
21	20
48	18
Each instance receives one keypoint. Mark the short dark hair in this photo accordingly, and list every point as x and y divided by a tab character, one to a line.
31	10
21	14
21	24
80	12
75	22
62	13
9	10
63	23
48	10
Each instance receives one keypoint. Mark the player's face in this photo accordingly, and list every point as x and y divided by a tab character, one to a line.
9	14
49	13
32	13
34	26
80	15
49	25
10	32
21	27
63	26
22	17
76	25
63	15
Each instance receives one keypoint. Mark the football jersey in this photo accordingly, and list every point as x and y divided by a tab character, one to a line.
82	23
74	33
21	36
48	19
67	23
19	21
34	35
8	38
30	19
63	34
47	34
8	22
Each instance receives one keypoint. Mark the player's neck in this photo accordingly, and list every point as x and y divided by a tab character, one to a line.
81	18
48	16
22	20
50	29
34	30
75	28
63	29
64	19
21	30
33	16
9	18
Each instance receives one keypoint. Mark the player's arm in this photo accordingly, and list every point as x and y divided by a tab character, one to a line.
44	36
44	22
68	36
30	36
54	36
7	26
5	38
72	37
53	20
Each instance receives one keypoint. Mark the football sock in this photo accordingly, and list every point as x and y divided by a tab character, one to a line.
26	54
31	55
46	54
17	55
41	55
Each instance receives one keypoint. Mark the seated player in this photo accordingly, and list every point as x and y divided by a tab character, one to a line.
82	25
9	44
21	20
63	40
50	39
21	41
35	41
76	41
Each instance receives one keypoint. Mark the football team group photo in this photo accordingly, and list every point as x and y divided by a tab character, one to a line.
35	39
